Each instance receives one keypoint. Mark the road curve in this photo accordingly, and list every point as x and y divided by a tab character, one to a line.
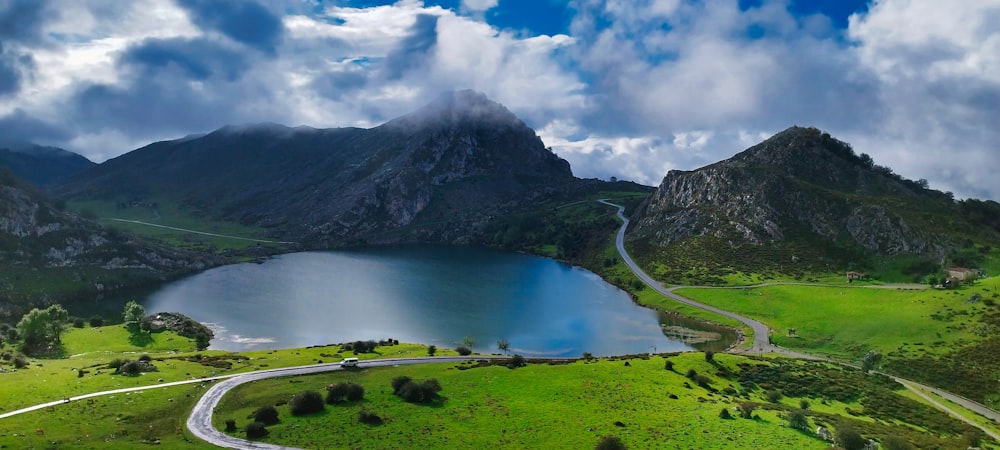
762	344
200	420
761	341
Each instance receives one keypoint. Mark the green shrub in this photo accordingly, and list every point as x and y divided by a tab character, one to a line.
267	415
230	425
256	430
773	396
515	362
804	404
399	382
145	357
724	414
797	420
463	350
369	418
432	350
668	365
691	374
413	392
308	402
96	321
895	443
610	443
20	361
335	393
78	322
355	392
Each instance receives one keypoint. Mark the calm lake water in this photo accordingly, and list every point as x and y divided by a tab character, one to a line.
427	294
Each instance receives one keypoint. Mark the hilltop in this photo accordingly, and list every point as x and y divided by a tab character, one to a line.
41	165
801	202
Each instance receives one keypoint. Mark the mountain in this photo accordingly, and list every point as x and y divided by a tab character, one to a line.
41	165
438	174
49	255
799	202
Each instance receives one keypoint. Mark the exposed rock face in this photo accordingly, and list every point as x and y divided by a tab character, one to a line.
799	184
437	175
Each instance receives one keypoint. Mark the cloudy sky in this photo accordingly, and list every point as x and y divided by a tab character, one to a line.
626	88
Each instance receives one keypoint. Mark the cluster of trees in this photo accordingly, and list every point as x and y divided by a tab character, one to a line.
366	346
344	392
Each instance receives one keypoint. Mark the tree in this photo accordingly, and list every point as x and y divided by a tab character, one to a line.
133	315
308	402
870	360
267	415
432	350
468	341
610	443
463	350
40	328
668	365
932	280
849	438
709	356
746	410
804	404
503	345
798	421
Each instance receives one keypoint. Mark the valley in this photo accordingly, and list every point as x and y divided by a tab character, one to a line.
758	243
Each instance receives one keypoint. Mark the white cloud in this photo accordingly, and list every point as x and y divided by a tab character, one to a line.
478	5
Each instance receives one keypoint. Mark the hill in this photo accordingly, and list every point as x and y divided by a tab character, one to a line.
50	255
40	165
802	202
439	174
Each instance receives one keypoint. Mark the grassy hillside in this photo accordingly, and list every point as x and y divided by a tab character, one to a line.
946	338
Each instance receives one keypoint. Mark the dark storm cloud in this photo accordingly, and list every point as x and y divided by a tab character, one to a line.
20	126
198	59
412	50
242	21
337	85
20	20
14	66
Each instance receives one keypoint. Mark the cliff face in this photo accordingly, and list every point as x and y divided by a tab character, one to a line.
800	185
434	175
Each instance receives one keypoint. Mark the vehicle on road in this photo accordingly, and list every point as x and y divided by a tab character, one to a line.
349	362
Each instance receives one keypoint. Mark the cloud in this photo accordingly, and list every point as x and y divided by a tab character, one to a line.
632	89
21	126
243	21
479	5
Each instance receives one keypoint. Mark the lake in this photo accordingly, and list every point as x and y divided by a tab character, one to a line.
427	294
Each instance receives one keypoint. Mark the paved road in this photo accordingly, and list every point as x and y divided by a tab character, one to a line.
200	421
762	344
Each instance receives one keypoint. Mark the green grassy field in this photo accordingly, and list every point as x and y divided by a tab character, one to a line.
848	321
540	405
572	406
170	214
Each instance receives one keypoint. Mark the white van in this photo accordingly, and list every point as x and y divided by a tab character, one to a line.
349	362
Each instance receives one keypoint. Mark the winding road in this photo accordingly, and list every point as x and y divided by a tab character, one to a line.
762	343
200	421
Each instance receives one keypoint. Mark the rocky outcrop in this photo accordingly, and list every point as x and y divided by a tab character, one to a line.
801	185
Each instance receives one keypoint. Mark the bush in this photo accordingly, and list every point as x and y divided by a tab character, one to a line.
145	357
668	365
335	393
267	415
96	321
20	361
895	443
355	392
413	392
369	418
515	362
130	368
691	373
797	420
256	430
702	381
432	350
773	396
399	382
610	443
463	350
308	402
709	356
724	414
230	425
116	363
804	404
849	438
746	410
78	322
